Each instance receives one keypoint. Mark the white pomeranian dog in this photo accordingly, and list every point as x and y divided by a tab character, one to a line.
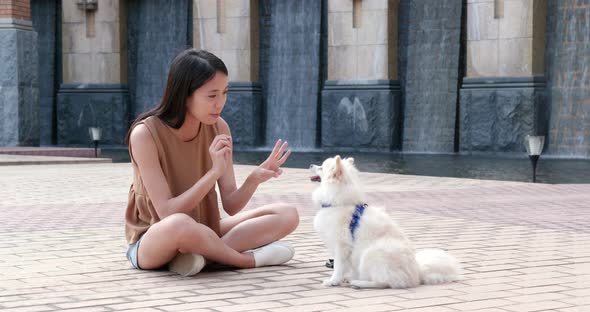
369	248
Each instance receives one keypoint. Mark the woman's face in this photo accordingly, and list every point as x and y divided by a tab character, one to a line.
206	103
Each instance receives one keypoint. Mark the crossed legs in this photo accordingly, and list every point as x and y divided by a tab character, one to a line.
243	231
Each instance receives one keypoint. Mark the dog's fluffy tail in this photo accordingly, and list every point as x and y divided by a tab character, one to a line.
437	267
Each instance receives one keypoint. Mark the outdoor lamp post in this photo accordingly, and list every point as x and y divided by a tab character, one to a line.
95	136
534	147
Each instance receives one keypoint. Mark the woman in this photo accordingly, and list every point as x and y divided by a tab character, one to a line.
179	150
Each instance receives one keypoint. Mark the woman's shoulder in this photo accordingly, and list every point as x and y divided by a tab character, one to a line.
140	134
152	121
141	144
144	127
151	129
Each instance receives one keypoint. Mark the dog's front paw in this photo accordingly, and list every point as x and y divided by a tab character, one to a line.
331	282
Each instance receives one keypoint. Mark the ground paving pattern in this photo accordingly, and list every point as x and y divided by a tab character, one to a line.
525	247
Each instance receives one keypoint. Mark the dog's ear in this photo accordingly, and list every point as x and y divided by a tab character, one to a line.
336	173
350	160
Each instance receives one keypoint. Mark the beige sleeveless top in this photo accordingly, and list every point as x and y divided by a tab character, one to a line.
183	164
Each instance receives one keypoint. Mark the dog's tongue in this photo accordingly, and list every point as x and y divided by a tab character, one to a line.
315	178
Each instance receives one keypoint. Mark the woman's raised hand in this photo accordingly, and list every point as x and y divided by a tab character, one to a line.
271	167
221	153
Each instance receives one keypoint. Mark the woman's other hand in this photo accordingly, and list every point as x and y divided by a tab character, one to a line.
221	153
271	167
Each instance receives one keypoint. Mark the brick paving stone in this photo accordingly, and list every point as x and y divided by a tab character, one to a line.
101	309
155	296
97	294
142	304
540	297
367	293
427	302
36	302
255	299
479	304
537	306
321	299
140	310
582	300
308	308
195	305
432	309
360	302
257	306
477	281
429	292
31	309
487	295
270	291
291	282
201	298
540	289
90	303
326	291
370	308
524	247
575	309
576	293
12	298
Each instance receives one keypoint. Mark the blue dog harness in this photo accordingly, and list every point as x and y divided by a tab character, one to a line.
356	216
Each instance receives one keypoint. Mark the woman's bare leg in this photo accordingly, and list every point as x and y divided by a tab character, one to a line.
258	227
243	231
180	233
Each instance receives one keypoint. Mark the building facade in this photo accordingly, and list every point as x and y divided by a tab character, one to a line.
445	76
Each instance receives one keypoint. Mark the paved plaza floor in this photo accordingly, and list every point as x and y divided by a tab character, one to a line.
524	247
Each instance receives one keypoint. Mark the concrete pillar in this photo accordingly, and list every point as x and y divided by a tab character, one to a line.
94	56
361	97
19	88
229	29
503	94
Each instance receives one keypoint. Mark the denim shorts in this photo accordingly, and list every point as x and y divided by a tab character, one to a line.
132	252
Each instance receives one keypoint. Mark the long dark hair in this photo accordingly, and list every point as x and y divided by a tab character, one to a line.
189	70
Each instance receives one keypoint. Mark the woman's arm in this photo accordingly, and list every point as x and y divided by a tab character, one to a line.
234	199
145	154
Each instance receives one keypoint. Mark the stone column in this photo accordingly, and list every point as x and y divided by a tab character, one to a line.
290	70
360	106
568	78
46	16
94	56
158	30
19	87
229	29
430	53
503	94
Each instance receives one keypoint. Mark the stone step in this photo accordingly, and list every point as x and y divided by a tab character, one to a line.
50	151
